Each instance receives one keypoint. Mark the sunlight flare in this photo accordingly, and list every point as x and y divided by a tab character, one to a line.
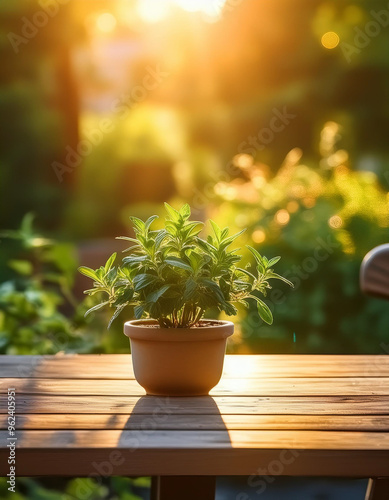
153	11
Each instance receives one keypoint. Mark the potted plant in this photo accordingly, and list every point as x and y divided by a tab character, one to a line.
170	278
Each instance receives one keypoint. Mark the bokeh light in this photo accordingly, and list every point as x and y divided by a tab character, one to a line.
259	236
282	217
243	161
292	206
335	222
330	40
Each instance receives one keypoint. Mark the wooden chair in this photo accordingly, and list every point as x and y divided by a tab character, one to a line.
374	276
374	280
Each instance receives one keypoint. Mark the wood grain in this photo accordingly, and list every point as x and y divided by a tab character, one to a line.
205	405
119	366
156	439
361	386
60	421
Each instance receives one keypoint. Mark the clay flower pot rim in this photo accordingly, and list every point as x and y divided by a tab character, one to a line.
138	329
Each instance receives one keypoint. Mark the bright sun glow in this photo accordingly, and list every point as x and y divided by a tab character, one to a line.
153	11
210	7
106	22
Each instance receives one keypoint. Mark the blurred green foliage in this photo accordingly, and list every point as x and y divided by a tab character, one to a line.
118	171
114	488
38	112
322	220
38	313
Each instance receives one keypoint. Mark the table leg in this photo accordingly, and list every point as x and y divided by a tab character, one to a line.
378	489
183	487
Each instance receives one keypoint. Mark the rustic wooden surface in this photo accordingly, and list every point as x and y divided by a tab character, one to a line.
304	415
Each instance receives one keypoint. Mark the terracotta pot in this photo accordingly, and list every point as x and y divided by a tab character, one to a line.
177	361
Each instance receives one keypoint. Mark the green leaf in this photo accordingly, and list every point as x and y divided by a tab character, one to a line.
177	262
110	277
227	241
126	273
265	313
154	296
139	225
258	257
87	271
118	310
216	229
229	308
245	271
132	240
149	221
143	280
149	245
139	312
110	262
224	233
93	291
135	259
214	287
206	246
263	310
185	211
161	235
190	289
96	308
127	238
272	262
172	212
125	296
132	248
196	260
279	277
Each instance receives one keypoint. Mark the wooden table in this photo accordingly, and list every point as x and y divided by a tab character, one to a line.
85	415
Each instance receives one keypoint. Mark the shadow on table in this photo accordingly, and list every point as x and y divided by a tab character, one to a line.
154	418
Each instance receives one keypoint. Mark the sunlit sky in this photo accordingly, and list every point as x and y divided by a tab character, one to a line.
157	10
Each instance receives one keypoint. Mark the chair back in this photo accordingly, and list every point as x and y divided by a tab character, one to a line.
374	274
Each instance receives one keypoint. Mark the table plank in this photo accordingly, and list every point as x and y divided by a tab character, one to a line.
203	405
166	439
119	366
350	386
206	452
61	421
213	461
